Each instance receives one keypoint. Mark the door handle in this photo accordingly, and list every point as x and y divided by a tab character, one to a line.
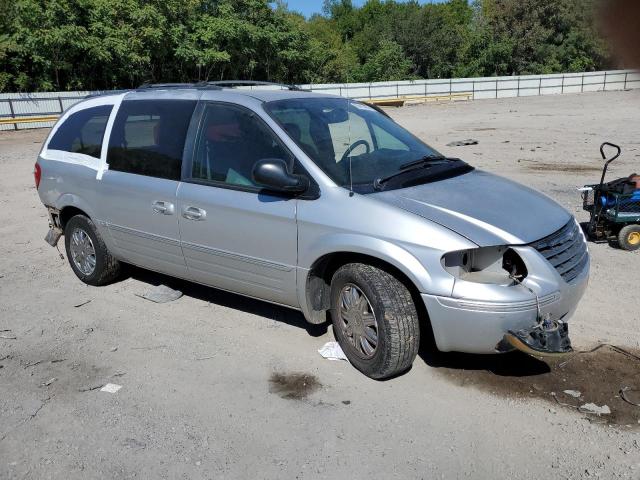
163	208
194	213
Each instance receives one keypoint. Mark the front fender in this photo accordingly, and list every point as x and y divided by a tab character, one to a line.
412	265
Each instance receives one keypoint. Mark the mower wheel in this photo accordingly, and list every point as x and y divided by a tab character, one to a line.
629	237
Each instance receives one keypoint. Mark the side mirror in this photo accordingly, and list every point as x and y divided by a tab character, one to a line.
273	174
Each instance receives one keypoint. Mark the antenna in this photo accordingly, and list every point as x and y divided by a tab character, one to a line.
349	147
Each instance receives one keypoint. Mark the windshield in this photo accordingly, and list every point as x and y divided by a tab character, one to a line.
331	130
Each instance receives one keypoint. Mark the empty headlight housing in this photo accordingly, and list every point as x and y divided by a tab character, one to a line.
488	265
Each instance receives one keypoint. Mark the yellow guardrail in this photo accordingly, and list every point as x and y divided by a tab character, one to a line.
16	120
400	101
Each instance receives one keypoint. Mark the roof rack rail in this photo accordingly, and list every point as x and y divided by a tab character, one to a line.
103	93
166	85
250	83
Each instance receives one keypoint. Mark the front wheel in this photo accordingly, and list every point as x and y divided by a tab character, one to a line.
374	320
629	237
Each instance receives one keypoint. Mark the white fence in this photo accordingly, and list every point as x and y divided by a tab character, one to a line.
23	106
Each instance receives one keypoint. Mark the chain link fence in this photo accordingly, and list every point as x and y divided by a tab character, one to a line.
38	110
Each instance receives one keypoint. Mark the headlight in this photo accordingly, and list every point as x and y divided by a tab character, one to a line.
488	265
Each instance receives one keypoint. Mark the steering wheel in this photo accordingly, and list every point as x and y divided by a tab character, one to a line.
353	146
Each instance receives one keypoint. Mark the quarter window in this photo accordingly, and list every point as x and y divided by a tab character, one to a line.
148	137
231	141
82	132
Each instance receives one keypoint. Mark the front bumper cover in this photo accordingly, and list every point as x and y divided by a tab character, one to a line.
472	326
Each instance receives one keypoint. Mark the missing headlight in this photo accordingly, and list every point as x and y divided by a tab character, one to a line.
490	265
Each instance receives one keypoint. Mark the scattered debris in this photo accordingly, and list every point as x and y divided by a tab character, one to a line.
91	388
33	364
595	409
463	143
149	348
205	358
87	331
293	386
332	351
81	304
118	374
346	402
573	393
161	294
47	383
111	388
113	349
8	337
5	330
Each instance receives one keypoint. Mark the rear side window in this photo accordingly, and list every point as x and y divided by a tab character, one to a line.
83	131
148	137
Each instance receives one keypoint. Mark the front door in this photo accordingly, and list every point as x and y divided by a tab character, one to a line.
140	187
234	236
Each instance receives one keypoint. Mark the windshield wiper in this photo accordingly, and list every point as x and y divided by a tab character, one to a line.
423	162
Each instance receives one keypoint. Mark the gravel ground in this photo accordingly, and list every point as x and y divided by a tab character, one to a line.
219	386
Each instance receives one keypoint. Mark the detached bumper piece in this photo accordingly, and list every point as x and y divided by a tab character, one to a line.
548	340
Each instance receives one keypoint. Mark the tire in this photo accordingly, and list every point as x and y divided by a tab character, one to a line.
629	238
397	331
99	269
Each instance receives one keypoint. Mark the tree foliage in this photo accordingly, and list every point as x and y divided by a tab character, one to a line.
103	44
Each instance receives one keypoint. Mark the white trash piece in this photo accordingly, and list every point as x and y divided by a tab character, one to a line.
332	351
595	409
573	393
111	388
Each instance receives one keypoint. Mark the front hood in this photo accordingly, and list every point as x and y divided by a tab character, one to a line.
485	208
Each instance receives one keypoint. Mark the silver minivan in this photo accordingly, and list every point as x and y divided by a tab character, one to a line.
317	203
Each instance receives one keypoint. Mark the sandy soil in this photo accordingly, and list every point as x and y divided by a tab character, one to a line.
218	386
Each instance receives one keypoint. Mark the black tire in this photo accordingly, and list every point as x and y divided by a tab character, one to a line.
629	238
396	318
107	268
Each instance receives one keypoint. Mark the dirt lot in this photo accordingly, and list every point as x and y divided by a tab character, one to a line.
218	386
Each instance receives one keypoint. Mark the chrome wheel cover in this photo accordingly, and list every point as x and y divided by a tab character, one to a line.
357	321
83	254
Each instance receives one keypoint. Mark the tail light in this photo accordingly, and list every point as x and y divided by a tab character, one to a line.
37	173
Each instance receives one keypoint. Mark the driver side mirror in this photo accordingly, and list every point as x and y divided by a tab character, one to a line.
274	175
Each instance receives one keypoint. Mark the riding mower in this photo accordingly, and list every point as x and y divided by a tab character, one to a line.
614	207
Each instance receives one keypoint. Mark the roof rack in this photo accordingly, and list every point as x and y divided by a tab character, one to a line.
250	83
218	85
148	85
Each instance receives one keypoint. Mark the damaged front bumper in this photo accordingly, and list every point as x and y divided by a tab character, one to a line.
474	326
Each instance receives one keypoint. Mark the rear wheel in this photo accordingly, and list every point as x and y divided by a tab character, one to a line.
374	320
629	237
88	255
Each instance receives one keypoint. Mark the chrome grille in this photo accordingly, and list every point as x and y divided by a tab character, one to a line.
566	250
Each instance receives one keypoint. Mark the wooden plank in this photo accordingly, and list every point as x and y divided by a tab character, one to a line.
10	121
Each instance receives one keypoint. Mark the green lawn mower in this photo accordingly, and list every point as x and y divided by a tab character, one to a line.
614	207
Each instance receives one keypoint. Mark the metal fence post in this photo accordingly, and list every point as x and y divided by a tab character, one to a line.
562	89
397	90
626	75
539	86
473	90
496	88
13	114
604	88
450	86
60	102
582	84
370	91
518	94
